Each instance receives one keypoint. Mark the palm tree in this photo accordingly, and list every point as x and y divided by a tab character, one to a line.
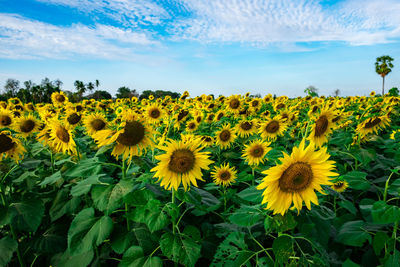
383	66
80	87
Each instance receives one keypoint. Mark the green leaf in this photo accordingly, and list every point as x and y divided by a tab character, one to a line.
139	197
121	239
151	214
283	249
246	216
394	188
344	203
232	251
87	231
383	213
109	198
51	241
62	204
84	186
352	234
134	257
85	168
357	180
7	248
251	194
379	242
78	260
280	223
180	248
350	263
27	215
52	179
393	260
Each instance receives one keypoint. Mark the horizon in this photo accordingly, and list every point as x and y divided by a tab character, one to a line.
224	47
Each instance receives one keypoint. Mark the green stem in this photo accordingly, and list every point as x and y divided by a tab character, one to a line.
154	251
123	169
52	161
173	219
386	187
34	260
224	192
21	262
334	204
8	173
254	177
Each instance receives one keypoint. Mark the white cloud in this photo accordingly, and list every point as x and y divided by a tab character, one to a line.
264	22
24	38
127	12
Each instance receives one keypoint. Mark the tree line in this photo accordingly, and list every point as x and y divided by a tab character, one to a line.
28	91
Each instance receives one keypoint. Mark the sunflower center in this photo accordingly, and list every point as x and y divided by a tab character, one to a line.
198	119
19	107
60	98
192	125
98	124
62	134
220	115
6	143
74	118
210	117
336	119
234	103
296	177
155	113
246	125
225	135
79	108
321	125
338	185
254	103
372	123
133	133
5	120
182	161
272	127
27	126
280	106
257	151
225	175
207	139
182	114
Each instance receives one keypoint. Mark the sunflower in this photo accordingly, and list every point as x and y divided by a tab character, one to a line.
130	139
207	140
394	134
61	137
322	127
372	125
372	94
26	125
73	118
95	122
255	152
10	147
246	128
272	128
191	126
225	136
6	118
182	163
59	98
255	104
224	175
219	115
340	186
233	103
154	113
296	178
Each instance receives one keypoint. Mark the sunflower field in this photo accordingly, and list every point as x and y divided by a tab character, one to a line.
204	181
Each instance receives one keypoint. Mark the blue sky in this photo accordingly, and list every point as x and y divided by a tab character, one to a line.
220	46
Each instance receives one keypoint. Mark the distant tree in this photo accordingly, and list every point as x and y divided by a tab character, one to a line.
125	92
383	66
311	91
158	94
80	88
97	83
99	94
11	88
90	86
336	92
394	91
